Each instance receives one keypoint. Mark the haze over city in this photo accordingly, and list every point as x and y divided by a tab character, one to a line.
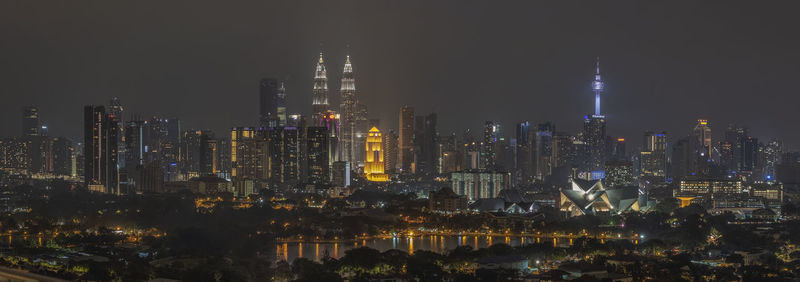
459	141
665	64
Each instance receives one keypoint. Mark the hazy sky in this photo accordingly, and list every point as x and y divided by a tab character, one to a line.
665	63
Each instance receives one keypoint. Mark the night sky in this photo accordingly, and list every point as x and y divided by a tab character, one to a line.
665	64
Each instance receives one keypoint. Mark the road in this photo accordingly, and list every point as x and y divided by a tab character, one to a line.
11	274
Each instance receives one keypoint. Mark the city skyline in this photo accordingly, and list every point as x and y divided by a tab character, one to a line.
539	81
354	140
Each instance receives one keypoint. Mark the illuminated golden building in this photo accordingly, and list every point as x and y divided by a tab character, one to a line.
373	161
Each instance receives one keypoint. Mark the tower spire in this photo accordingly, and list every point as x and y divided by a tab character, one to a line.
320	102
597	86
349	108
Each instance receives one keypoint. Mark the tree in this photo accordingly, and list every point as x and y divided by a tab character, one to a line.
424	266
308	270
363	257
667	205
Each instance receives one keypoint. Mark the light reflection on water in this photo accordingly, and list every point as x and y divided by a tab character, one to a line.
439	244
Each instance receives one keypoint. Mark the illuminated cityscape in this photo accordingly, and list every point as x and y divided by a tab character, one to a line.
466	142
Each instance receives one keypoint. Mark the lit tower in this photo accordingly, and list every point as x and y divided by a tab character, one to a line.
320	104
594	133
373	161
597	86
348	108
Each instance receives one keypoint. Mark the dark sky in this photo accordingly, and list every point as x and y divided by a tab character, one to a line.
666	63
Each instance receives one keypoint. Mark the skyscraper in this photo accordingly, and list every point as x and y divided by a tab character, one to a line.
390	153
31	125
750	150
317	161
100	150
190	153
39	149
248	154
115	108
491	136
320	103
348	108
63	157
618	152
207	153
332	123
284	154
280	103
425	145
268	102
544	150
406	140
594	136
563	150
224	158
654	155
732	154
506	150
134	151
702	136
682	162
772	157
373	161
451	156
524	171
361	128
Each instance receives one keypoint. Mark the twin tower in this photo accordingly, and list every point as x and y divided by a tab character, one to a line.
350	125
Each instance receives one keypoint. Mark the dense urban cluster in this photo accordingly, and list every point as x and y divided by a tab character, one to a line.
337	195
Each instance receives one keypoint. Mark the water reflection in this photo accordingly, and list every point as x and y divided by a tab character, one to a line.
439	244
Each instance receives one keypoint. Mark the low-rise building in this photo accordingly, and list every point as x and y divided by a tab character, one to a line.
209	185
447	201
479	184
518	263
590	197
579	269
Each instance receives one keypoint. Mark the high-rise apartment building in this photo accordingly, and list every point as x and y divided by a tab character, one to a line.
248	154
390	151
491	136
